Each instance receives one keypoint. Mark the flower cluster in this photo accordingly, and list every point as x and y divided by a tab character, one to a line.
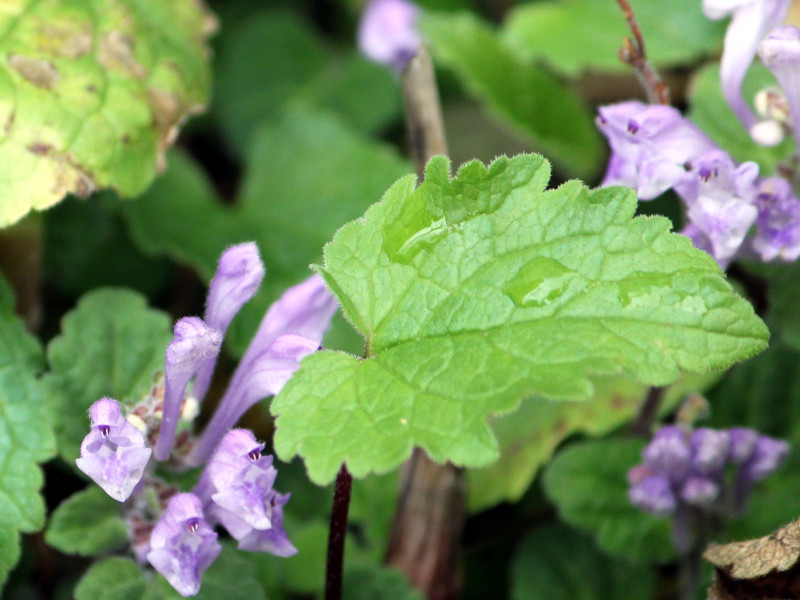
684	471
654	148
172	531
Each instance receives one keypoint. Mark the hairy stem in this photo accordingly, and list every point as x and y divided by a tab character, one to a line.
633	53
336	537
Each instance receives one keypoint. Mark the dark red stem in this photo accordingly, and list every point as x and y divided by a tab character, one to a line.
336	537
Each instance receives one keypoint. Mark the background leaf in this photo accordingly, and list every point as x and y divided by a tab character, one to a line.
111	344
478	291
87	523
533	100
588	483
26	437
554	562
93	94
576	35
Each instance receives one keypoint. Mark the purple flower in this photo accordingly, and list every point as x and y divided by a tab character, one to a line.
388	32
113	454
742	443
778	222
752	19
721	201
698	490
237	279
183	545
651	144
780	52
668	453
710	448
194	343
768	454
236	489
653	495
292	329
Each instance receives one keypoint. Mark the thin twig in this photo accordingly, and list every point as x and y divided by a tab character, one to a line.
648	411
336	537
633	53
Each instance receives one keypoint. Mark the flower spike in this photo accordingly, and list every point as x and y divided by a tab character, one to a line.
113	454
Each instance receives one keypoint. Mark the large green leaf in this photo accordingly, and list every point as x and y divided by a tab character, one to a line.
573	35
111	344
92	94
711	113
588	483
478	291
554	562
26	437
534	101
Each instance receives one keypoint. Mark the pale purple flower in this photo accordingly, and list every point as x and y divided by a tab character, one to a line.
742	443
752	19
236	280
699	490
780	52
710	448
292	329
653	495
388	32
720	197
194	342
236	489
778	223
183	545
768	454
668	453
651	146
113	453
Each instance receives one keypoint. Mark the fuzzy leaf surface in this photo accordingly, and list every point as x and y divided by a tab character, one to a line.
477	291
111	344
26	438
92	93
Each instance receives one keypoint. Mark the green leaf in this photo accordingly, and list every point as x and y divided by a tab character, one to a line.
98	90
377	583
529	436
576	35
554	562
26	437
535	102
87	523
273	58
231	577
478	291
111	344
711	113
587	482
783	313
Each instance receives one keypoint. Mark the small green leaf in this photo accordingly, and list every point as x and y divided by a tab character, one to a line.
113	579
111	344
87	523
434	279
576	35
26	437
98	90
587	482
711	113
534	101
554	562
